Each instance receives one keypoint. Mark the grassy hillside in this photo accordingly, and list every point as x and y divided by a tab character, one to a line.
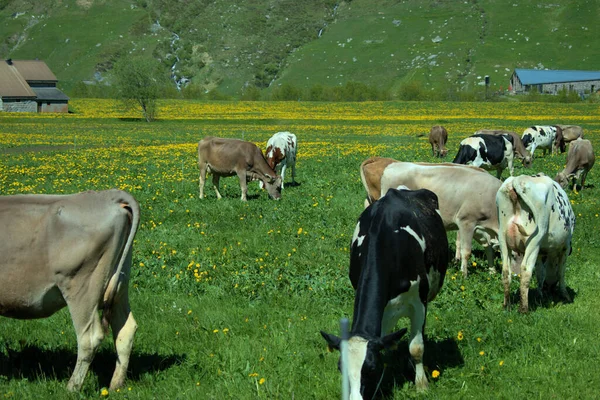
232	46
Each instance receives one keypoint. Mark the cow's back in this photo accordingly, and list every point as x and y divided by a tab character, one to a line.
46	239
461	190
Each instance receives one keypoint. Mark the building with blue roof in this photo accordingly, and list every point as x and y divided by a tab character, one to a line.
553	81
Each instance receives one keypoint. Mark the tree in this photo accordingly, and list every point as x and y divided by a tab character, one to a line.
138	84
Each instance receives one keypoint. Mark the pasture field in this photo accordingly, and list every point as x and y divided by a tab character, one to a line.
230	296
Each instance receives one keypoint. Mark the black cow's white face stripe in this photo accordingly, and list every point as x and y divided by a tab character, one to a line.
414	234
357	353
357	237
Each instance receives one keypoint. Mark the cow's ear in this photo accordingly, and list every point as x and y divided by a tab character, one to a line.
332	341
391	340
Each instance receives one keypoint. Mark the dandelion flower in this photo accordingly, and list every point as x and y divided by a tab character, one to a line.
262	380
104	392
501	363
481	352
460	335
435	374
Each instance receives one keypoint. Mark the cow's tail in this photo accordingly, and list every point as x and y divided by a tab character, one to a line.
130	204
539	216
369	199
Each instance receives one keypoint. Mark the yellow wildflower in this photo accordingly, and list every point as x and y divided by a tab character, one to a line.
460	335
435	374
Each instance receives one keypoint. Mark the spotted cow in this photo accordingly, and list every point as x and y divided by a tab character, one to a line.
488	152
536	225
398	261
538	136
521	152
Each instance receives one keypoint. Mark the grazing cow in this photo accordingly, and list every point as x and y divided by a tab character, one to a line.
520	151
539	136
580	159
281	151
487	151
398	261
229	157
568	134
466	195
536	224
438	136
75	251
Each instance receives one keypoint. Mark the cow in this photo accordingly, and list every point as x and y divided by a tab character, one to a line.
568	134
229	157
580	159
281	152
521	152
75	251
466	195
398	261
438	136
536	225
542	137
488	152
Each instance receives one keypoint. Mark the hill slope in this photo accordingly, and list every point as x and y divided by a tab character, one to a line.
225	45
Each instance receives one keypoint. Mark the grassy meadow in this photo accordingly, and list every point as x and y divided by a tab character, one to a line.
230	296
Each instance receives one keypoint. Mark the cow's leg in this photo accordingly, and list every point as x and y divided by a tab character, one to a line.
499	172
457	252
505	253
489	252
215	180
583	176
540	275
293	173
562	284
417	345
511	169
84	312
527	266
202	179
465	231
283	168
123	327
243	184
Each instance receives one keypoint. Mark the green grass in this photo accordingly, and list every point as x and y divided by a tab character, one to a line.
272	274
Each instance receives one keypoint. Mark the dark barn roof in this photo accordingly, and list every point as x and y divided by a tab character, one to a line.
538	76
48	94
34	71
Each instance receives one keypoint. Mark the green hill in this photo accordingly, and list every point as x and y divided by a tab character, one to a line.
230	46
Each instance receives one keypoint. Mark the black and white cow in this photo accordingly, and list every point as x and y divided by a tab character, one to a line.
398	261
539	136
487	152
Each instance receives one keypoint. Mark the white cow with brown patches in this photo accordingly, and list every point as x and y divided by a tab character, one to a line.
536	225
281	153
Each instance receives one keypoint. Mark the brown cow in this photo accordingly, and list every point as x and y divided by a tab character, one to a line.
520	151
466	196
75	251
229	157
438	136
580	159
568	133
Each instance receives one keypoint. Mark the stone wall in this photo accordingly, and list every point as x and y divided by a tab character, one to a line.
55	108
19	106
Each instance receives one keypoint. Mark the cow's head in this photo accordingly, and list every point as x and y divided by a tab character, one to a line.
365	366
562	179
444	152
527	159
273	185
274	157
559	140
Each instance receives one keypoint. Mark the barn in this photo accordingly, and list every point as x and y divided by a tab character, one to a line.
30	86
553	81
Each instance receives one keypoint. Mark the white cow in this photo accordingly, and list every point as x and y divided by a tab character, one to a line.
281	151
537	136
536	223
